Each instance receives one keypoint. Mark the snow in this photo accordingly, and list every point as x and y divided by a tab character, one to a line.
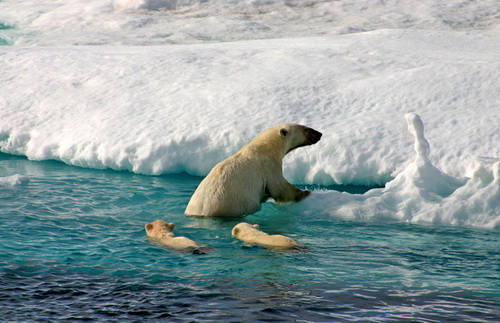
167	109
421	193
158	87
159	22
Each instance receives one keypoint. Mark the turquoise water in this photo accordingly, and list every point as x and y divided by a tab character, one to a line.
4	40
73	247
4	26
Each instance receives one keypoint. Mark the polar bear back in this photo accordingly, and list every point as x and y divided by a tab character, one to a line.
251	233
237	179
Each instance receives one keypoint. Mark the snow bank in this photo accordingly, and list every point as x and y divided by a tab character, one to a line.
421	193
157	110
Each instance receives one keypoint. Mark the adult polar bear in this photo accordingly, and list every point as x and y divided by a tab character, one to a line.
239	184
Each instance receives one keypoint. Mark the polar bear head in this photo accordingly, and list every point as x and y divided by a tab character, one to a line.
296	135
159	228
243	229
284	138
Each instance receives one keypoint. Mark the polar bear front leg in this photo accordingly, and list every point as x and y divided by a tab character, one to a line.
283	191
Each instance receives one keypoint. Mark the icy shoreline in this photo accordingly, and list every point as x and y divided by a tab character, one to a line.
157	110
421	193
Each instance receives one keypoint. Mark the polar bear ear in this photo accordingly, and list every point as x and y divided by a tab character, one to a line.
149	227
255	226
283	132
171	226
235	232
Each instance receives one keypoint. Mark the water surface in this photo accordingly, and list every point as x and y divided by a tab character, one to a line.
73	247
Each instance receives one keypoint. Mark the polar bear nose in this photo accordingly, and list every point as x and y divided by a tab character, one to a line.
312	135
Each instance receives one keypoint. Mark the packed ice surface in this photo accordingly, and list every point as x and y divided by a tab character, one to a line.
166	109
157	87
159	22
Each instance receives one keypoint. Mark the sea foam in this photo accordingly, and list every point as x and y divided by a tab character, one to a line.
14	180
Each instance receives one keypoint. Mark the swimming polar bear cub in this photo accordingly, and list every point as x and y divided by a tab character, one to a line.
161	233
250	233
239	184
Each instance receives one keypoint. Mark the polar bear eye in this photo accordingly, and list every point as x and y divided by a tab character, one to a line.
283	132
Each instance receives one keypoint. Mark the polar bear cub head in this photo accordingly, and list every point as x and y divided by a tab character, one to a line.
160	229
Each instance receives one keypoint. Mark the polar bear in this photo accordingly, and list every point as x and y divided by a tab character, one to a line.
239	184
161	233
252	234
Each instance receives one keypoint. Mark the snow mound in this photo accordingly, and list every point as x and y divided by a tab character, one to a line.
421	193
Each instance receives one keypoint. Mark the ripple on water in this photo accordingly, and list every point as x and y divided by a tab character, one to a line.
73	247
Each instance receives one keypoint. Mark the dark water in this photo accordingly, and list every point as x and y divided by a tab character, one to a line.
73	247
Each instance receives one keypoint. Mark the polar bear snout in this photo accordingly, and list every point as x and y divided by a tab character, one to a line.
313	136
